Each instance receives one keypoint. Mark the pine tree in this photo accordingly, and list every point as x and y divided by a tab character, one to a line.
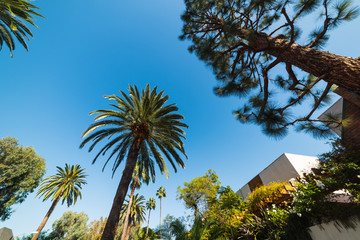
247	41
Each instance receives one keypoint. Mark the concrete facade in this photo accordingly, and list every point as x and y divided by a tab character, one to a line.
6	234
284	168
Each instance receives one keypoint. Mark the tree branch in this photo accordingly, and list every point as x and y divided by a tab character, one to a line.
323	95
266	83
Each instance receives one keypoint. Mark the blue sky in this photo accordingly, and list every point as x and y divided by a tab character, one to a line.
87	49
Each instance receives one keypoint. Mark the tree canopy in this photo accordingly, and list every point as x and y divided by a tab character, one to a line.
257	48
71	226
21	170
198	192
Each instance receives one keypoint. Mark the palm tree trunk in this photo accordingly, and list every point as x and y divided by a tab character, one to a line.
160	220
135	179
147	228
43	222
114	215
128	231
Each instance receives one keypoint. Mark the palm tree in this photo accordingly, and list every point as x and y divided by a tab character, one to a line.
65	185
150	205
141	128
13	14
161	192
137	213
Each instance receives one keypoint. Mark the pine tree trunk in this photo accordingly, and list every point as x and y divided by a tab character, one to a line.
147	228
114	215
135	179
340	70
43	222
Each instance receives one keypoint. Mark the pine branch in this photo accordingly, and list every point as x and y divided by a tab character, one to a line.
317	104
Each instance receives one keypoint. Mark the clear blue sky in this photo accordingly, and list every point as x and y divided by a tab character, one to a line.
86	49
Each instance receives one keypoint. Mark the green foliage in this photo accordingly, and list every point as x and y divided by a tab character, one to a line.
226	214
339	170
242	41
257	198
199	192
21	170
66	184
173	228
14	16
71	226
142	117
150	236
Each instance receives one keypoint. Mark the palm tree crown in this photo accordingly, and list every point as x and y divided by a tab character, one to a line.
161	192
13	14
151	204
142	119
66	184
137	209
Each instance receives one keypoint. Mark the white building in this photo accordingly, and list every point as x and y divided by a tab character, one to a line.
284	168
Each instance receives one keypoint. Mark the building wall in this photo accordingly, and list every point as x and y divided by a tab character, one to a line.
281	170
284	168
351	132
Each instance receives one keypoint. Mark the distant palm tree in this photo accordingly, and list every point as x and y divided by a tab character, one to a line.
13	14
161	192
150	205
65	185
143	128
137	213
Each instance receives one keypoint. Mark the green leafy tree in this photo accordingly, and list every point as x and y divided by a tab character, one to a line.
14	14
65	185
71	226
150	205
137	213
141	128
161	193
246	42
21	170
198	192
227	212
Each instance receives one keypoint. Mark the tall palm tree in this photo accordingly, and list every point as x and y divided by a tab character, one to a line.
161	192
65	185
141	128
150	205
13	16
137	213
